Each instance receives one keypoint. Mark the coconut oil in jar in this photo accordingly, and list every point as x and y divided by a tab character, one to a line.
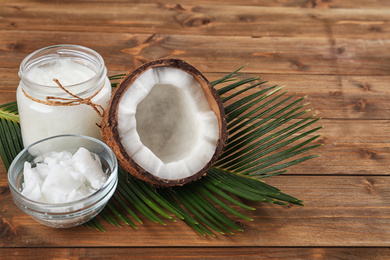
46	109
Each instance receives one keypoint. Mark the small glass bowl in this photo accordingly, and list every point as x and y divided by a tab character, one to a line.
70	214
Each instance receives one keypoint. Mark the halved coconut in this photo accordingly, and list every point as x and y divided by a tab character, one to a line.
165	123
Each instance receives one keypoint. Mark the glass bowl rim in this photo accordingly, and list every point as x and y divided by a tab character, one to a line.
90	199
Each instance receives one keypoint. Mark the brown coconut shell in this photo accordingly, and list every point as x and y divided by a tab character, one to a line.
109	126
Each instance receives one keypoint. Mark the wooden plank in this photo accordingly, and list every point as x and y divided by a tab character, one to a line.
199	19
330	96
350	147
265	55
340	211
197	253
334	4
336	52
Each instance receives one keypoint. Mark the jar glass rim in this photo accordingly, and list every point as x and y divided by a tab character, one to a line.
57	49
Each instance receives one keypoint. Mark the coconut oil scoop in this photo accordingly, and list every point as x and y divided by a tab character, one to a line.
75	101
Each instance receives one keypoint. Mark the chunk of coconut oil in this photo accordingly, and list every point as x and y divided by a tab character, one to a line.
62	177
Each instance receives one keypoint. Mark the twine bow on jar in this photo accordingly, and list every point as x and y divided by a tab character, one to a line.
76	100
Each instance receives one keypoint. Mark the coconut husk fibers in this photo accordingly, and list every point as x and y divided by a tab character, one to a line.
109	126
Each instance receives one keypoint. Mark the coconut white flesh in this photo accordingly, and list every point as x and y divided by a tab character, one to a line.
166	125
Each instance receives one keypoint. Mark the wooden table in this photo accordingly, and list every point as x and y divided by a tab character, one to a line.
336	52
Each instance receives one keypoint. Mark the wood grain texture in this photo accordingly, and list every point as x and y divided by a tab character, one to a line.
337	53
232	253
195	19
339	211
282	55
330	96
356	148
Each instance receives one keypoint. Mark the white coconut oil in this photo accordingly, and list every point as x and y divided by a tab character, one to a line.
80	71
61	177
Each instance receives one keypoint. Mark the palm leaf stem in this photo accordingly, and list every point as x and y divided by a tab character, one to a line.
9	116
10	107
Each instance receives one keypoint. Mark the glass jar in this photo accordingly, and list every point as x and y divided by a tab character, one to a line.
46	109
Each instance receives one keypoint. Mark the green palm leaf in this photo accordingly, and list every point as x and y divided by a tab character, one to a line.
267	133
10	135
